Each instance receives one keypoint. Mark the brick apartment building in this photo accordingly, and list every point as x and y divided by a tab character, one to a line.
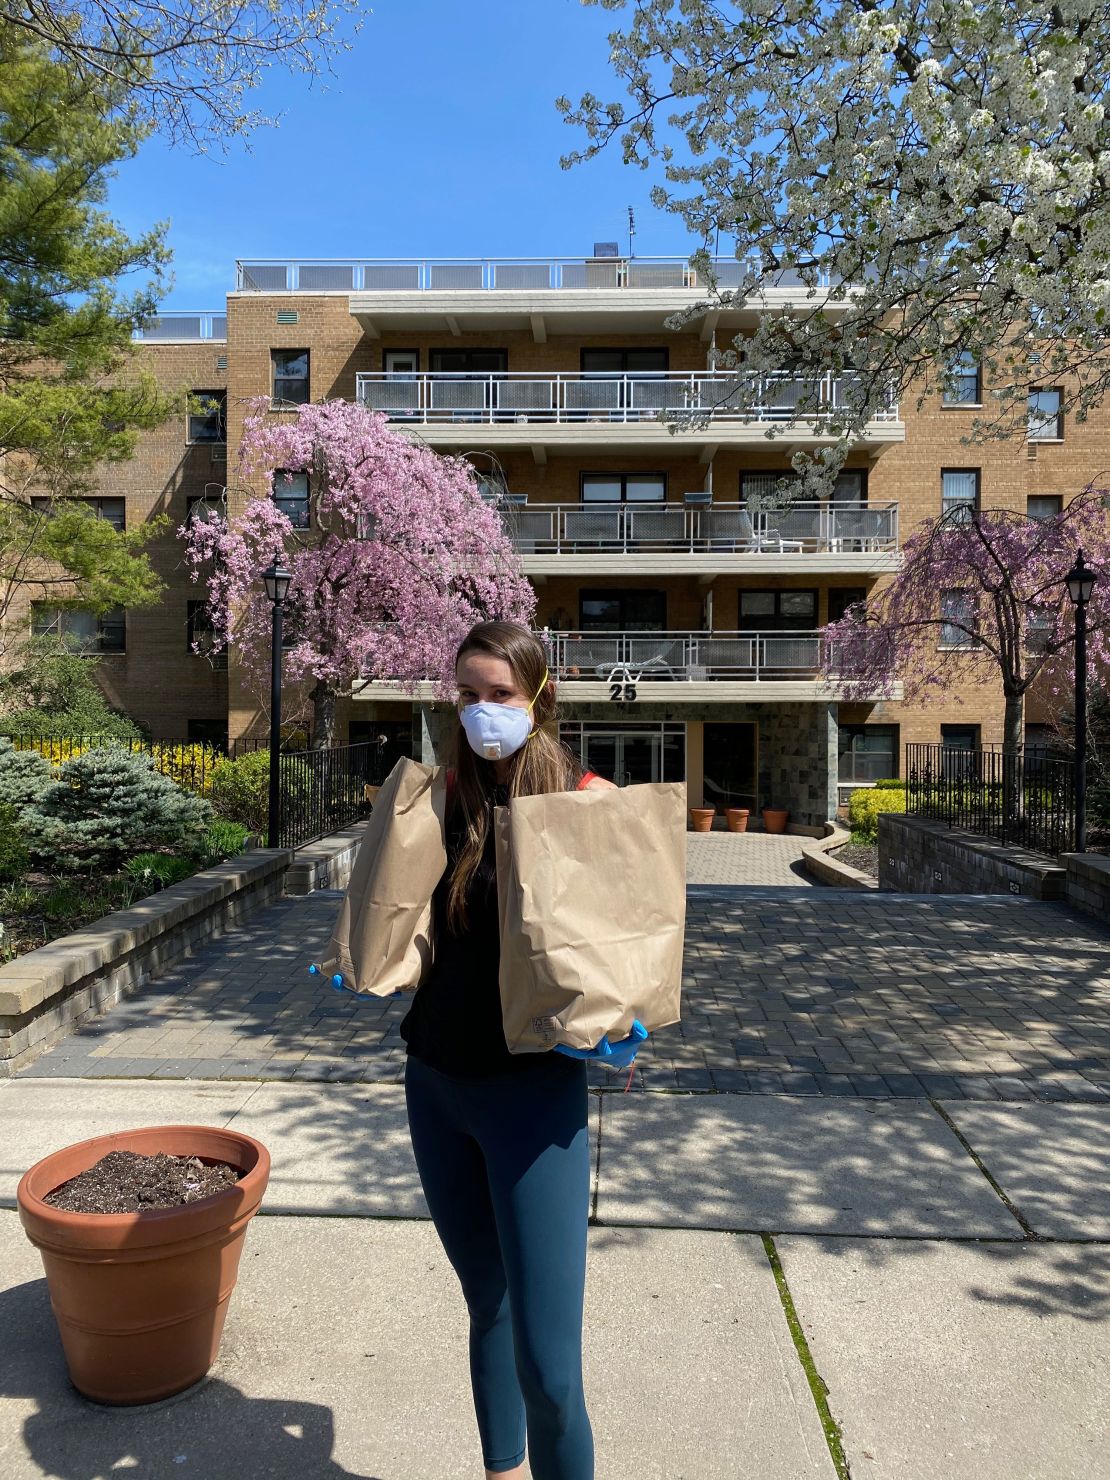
648	559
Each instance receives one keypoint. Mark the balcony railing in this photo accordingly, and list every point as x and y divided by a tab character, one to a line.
799	528
684	656
489	274
557	397
184	326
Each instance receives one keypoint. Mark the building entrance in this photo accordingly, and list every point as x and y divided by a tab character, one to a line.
631	754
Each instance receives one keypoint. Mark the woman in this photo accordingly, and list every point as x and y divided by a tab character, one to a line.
501	1139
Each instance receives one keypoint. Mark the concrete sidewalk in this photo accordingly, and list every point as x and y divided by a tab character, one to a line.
948	1262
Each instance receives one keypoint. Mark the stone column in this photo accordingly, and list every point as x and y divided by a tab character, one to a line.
433	726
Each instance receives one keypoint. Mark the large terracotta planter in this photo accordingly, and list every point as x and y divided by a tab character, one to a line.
702	818
737	819
775	819
140	1298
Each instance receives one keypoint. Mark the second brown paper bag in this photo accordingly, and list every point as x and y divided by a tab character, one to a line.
591	889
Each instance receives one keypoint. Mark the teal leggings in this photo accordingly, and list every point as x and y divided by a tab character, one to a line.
504	1162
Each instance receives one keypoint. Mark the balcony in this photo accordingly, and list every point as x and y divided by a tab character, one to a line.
573	411
803	537
184	328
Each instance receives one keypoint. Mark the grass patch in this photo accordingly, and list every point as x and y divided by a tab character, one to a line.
833	1437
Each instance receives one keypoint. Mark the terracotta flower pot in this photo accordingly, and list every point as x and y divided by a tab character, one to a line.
775	819
737	818
140	1298
702	818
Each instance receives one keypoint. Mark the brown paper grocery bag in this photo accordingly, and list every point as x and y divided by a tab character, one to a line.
382	940
591	889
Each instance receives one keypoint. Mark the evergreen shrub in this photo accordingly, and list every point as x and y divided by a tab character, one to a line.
14	858
25	775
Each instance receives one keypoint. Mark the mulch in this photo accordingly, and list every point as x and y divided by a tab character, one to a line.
128	1182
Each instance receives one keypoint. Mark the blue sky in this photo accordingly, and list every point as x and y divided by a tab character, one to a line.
438	136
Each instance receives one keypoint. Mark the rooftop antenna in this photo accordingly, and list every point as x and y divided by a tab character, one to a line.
631	228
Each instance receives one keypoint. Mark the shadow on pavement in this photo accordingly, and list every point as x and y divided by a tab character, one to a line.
215	1432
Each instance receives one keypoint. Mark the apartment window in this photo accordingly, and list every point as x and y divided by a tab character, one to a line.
842	597
114	510
867	752
1046	420
1044	505
207	423
959	492
83	631
962	384
957	609
207	732
622	611
625	361
198	630
959	737
777	611
755	487
201	506
469	361
632	488
290	376
1040	628
290	492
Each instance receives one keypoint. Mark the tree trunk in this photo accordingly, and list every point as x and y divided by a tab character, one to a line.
1013	745
323	716
1013	734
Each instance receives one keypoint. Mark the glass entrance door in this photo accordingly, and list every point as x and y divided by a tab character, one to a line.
628	759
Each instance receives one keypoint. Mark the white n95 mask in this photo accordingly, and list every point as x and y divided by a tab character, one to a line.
496	731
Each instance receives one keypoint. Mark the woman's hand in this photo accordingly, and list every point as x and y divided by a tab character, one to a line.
612	1055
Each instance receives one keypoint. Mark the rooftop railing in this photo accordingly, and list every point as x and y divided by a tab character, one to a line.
558	397
490	274
184	327
684	656
808	528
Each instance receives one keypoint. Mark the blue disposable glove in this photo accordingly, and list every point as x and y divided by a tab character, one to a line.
612	1055
339	984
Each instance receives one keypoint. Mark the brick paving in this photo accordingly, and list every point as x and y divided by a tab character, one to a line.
746	858
786	989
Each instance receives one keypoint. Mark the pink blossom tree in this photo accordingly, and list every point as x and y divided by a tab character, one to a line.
400	558
980	598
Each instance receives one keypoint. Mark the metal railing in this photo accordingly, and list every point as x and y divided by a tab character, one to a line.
493	274
322	791
558	396
184	326
802	527
684	656
188	762
1026	800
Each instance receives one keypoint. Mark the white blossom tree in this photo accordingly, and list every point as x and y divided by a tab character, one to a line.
938	169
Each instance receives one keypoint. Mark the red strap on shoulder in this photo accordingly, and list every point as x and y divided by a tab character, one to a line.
587	777
450	790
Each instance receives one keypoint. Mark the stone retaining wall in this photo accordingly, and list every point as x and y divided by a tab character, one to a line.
1088	883
919	856
49	992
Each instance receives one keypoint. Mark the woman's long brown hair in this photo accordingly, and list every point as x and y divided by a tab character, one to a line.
542	764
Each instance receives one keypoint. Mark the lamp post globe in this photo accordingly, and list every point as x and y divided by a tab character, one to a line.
1080	583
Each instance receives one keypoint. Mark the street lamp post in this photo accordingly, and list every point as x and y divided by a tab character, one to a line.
276	580
1080	583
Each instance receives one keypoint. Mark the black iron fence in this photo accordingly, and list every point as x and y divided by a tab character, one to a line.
188	762
1026	799
325	790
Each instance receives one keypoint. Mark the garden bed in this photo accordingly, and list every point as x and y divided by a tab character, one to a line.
864	856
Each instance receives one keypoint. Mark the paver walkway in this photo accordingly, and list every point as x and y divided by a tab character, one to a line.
808	991
759	859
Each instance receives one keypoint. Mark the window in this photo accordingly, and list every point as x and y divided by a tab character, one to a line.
957	609
207	423
207	732
1043	740
1046	420
291	497
959	492
625	361
959	737
1044	505
290	376
622	611
204	506
842	597
867	752
778	611
729	764
114	510
401	363
962	384
83	631
198	629
1040	628
630	487
469	361
755	487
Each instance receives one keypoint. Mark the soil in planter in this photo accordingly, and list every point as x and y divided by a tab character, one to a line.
128	1182
864	856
